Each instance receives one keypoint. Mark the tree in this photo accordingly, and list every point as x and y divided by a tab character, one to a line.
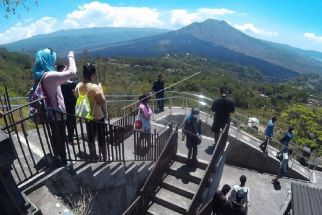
307	122
9	7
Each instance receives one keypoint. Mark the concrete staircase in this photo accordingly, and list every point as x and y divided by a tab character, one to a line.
178	188
100	178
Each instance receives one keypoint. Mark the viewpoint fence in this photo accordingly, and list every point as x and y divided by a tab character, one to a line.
141	203
33	142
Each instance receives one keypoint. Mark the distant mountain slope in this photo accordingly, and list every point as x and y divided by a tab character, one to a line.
270	57
80	39
221	33
182	43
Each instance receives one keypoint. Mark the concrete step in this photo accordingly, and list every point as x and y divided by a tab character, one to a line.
102	177
151	166
78	165
156	209
97	166
186	172
36	183
31	208
129	165
84	176
116	165
202	164
118	177
47	202
172	201
179	186
132	172
144	167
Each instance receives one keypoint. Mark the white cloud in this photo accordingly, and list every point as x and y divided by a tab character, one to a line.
312	37
251	28
97	14
20	31
181	17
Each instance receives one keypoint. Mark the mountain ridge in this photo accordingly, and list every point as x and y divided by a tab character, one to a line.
80	39
216	39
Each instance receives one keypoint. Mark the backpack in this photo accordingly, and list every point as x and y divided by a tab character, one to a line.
83	106
243	193
36	106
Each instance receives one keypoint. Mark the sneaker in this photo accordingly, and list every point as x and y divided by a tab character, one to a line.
263	149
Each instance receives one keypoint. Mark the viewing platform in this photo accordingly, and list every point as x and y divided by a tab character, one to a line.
127	156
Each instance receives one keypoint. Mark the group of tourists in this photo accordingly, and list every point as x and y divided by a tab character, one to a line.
63	95
236	203
282	155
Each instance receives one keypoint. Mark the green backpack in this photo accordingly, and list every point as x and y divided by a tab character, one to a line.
83	106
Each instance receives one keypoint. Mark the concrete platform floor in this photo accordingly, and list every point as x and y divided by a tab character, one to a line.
265	198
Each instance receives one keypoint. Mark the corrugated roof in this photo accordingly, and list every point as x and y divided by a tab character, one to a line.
306	200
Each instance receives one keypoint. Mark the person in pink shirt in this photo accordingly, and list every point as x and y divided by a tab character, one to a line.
146	112
51	82
145	117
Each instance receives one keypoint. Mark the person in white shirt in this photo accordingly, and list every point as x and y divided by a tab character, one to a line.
241	186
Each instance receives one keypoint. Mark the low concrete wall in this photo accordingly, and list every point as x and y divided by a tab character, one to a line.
245	155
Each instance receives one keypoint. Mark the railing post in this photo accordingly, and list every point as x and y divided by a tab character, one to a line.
154	146
153	109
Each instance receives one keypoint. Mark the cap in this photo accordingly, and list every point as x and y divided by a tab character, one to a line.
194	111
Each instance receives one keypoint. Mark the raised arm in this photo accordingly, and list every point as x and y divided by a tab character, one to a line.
59	78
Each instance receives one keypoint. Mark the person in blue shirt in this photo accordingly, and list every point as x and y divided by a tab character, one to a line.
269	131
286	139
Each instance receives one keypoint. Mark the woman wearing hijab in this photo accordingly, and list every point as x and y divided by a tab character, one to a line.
51	80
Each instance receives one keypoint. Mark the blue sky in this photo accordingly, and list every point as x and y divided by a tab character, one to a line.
294	22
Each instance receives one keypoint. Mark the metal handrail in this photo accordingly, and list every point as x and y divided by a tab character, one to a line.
201	99
140	204
219	148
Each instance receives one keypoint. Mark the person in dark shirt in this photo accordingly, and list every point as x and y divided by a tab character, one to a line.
285	141
192	129
222	107
70	102
220	204
158	88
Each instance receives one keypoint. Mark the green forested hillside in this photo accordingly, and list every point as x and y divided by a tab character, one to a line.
15	71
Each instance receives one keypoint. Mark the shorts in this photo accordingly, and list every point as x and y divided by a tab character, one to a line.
96	129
